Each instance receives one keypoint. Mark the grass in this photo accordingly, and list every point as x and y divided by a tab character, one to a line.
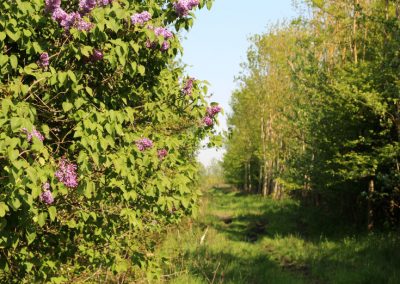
248	239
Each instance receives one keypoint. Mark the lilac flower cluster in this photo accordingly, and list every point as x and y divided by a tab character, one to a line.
104	2
46	186
87	5
188	88
44	60
144	144
73	19
96	55
208	121
162	153
140	18
182	7
211	112
33	133
165	46
67	173
214	110
161	31
165	33
46	197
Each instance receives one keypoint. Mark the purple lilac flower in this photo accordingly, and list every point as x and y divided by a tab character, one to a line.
188	88
140	18
165	46
87	5
82	25
163	32
46	186
212	111
44	59
162	153
150	44
33	133
144	144
69	20
51	5
208	121
182	7
67	173
105	2
97	55
46	197
193	3
59	15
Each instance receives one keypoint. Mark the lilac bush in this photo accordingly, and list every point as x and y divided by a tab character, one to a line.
94	97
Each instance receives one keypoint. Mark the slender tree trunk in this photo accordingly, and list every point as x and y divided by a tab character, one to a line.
264	150
246	188
371	190
275	190
355	16
249	177
266	179
260	179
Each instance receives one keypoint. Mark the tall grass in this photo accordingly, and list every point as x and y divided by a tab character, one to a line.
248	239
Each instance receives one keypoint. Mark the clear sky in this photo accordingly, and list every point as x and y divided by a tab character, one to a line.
218	42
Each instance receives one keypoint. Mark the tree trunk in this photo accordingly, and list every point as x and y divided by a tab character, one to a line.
266	180
355	16
249	177
246	188
260	179
371	190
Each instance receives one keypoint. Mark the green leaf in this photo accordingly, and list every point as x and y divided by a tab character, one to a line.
72	76
52	212
62	76
15	203
30	237
3	209
141	70
67	106
89	91
42	219
14	61
13	154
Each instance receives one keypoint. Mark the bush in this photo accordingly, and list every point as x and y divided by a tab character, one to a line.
99	129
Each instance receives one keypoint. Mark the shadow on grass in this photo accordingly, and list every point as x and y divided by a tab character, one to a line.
225	267
279	218
305	241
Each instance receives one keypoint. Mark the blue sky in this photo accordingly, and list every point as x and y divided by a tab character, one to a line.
218	42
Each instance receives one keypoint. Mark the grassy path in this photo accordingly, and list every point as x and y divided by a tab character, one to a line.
247	239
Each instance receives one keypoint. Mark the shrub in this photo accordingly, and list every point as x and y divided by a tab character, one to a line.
87	106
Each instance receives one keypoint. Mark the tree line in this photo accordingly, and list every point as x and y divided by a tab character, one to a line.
317	110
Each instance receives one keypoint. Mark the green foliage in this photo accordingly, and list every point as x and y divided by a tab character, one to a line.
92	113
325	112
